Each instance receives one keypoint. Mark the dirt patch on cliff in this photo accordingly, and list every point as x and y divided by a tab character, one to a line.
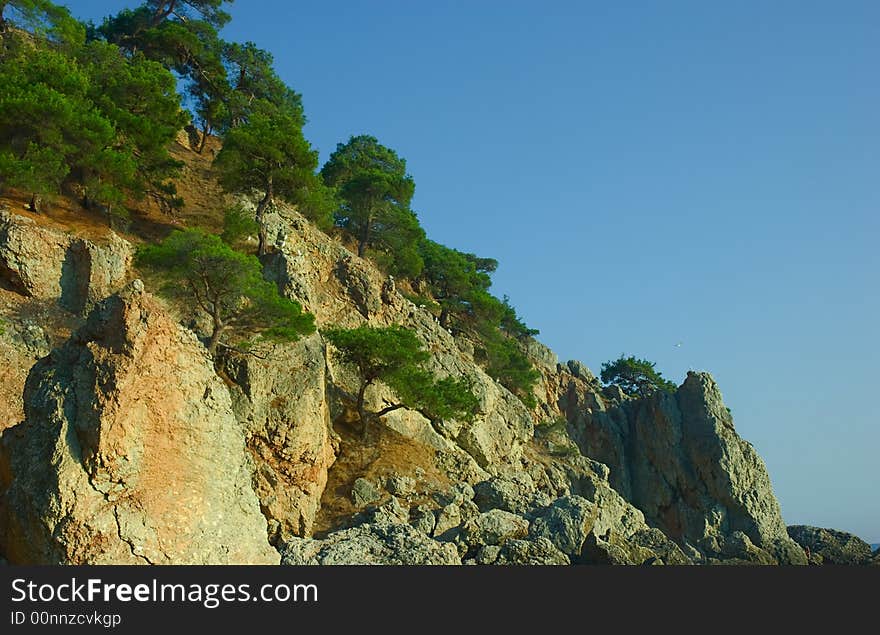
387	453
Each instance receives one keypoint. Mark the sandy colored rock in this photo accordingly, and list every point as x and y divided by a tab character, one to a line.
129	453
280	398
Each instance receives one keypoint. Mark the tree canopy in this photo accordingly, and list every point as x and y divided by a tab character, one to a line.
636	377
394	356
376	192
268	154
226	287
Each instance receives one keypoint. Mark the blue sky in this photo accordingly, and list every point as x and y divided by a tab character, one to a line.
647	173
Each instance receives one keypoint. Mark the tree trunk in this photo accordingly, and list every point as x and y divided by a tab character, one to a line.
216	333
362	412
444	316
36	204
365	236
206	130
264	204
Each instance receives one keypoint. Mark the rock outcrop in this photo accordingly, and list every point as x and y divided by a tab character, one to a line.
129	452
48	264
381	543
678	458
281	399
341	289
830	546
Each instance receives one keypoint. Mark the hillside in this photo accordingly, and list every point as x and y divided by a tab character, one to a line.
506	487
214	351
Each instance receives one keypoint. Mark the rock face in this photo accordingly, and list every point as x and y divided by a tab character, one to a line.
829	546
678	458
381	543
48	264
22	342
343	290
281	399
129	452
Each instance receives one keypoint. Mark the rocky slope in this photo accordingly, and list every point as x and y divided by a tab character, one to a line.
829	546
133	449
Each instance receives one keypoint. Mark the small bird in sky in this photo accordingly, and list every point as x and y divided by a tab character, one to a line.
678	345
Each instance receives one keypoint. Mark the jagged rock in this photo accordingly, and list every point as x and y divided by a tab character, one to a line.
737	546
678	459
45	263
364	492
488	554
388	544
401	485
580	370
422	518
330	282
393	511
22	342
566	523
281	399
834	547
539	551
493	528
129	452
515	493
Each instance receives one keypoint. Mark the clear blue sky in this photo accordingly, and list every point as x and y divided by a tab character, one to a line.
647	173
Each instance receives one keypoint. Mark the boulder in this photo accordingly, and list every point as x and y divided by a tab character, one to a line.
833	546
514	492
493	528
129	452
539	551
371	544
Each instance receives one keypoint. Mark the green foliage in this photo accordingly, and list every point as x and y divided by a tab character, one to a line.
506	362
268	154
227	287
394	356
238	224
375	192
636	377
45	19
84	113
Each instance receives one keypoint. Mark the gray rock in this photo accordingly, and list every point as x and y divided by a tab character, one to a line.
833	546
539	551
488	554
393	512
422	518
364	492
566	524
377	544
678	458
515	493
401	485
580	370
46	263
493	528
289	435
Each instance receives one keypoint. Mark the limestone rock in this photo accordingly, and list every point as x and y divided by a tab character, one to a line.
493	528
281	400
364	492
539	551
45	263
834	547
515	493
129	452
678	458
377	544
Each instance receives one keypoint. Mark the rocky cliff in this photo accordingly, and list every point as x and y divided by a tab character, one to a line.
135	447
